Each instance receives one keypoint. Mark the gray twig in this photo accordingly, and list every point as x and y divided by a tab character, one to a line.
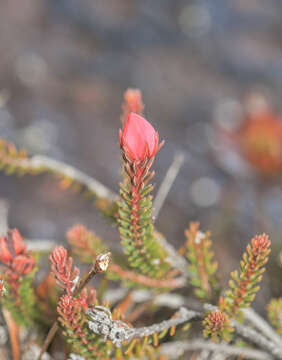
262	326
167	182
38	162
4	208
182	316
204	355
177	261
102	323
218	356
271	341
177	348
256	338
171	300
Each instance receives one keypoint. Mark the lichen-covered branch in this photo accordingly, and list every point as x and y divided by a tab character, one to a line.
101	323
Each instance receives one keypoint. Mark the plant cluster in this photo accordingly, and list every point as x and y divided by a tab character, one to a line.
70	318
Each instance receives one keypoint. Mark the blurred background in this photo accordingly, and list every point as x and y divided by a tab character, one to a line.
205	68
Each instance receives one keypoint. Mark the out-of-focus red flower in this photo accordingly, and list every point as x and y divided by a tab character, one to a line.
11	246
138	139
14	255
258	139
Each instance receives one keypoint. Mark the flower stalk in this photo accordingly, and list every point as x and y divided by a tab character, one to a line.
139	144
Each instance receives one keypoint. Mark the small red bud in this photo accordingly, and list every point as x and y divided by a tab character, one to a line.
102	262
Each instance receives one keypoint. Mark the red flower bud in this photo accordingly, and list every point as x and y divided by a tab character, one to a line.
138	139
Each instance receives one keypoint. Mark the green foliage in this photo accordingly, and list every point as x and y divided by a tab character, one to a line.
202	267
28	301
137	232
87	245
274	312
21	301
243	285
91	346
141	349
74	323
12	160
144	263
